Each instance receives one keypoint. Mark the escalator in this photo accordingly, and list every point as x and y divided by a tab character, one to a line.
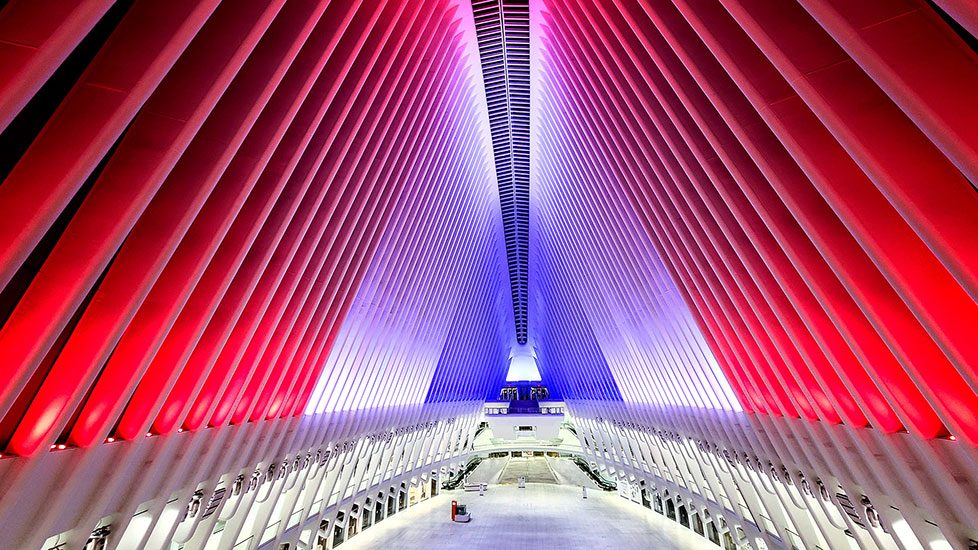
456	480
601	482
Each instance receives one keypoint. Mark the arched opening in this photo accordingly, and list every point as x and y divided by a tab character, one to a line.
697	524
322	539
339	535
368	515
379	508
712	533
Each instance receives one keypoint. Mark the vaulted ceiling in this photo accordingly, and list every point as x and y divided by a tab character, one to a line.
224	213
278	206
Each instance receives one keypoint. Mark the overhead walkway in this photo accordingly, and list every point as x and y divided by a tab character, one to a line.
566	442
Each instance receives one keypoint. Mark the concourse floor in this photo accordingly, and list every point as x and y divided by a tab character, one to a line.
541	516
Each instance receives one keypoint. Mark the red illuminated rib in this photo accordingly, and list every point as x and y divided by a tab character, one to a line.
35	38
77	136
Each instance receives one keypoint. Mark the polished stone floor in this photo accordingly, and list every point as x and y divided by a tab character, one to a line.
488	471
543	515
533	470
569	473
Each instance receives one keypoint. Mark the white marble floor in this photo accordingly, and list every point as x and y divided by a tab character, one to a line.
488	471
538	517
569	473
533	470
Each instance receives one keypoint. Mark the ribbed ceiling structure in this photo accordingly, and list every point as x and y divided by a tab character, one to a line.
795	231
190	257
263	262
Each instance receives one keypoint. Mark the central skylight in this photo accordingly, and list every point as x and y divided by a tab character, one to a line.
503	29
